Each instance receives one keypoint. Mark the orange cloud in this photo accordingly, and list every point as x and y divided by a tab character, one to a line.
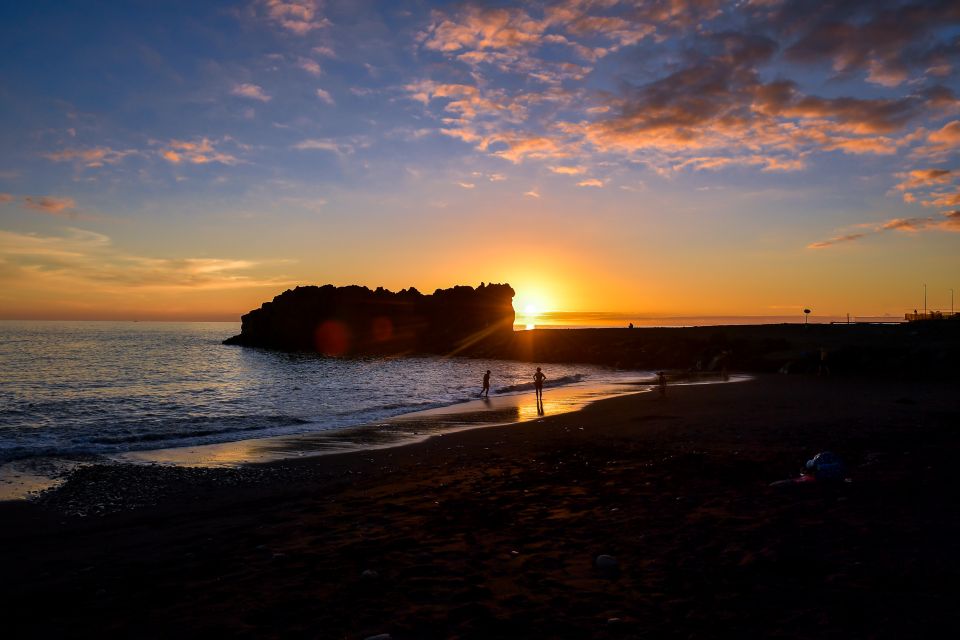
252	91
297	16
202	151
50	205
950	222
568	171
483	28
924	178
310	66
91	158
823	244
941	142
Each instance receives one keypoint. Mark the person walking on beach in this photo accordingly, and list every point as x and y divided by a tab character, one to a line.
662	380
486	385
538	379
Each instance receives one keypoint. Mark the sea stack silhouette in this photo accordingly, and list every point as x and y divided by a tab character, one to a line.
354	320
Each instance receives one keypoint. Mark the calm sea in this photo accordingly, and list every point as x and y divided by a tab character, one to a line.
76	389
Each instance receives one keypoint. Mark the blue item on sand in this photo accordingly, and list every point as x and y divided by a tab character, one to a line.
826	466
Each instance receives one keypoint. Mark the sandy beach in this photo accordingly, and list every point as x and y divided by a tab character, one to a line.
501	531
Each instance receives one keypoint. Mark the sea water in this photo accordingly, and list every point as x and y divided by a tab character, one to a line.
86	390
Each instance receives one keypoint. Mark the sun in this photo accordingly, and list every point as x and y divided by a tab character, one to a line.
530	312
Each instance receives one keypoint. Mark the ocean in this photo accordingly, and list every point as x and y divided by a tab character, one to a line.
91	390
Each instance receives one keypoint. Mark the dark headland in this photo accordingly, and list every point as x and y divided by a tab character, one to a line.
478	322
637	517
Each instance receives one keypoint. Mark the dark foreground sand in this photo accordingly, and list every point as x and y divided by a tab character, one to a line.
494	533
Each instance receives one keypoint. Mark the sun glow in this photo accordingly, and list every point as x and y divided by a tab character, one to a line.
530	312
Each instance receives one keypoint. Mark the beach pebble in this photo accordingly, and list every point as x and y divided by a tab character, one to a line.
606	563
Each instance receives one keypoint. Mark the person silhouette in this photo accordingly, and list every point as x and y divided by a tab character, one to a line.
538	379
486	385
662	380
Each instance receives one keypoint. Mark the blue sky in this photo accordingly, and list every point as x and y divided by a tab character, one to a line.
190	160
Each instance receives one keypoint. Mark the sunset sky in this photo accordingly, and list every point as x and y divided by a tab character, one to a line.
189	160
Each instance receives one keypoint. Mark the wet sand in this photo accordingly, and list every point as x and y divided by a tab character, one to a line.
496	532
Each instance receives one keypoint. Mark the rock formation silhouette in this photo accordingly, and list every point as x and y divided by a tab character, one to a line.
353	320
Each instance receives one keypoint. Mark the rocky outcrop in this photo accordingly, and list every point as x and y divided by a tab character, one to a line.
357	321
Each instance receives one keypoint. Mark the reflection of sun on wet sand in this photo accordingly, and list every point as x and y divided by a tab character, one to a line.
404	429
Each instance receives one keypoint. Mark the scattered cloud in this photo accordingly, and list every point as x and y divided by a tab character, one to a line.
323	144
948	221
6	197
50	205
590	182
297	16
532	193
724	102
201	151
568	171
941	142
325	97
85	259
91	158
466	185
252	91
310	66
850	237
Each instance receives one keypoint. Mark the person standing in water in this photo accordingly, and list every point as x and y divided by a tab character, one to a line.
538	379
662	380
486	385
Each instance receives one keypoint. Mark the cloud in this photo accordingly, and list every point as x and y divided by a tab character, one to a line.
496	177
6	197
50	205
325	96
943	200
297	16
252	91
533	193
568	171
91	158
941	142
88	261
948	221
887	42
323	144
932	187
201	151
716	98
590	182
478	28
924	178
310	66
836	240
